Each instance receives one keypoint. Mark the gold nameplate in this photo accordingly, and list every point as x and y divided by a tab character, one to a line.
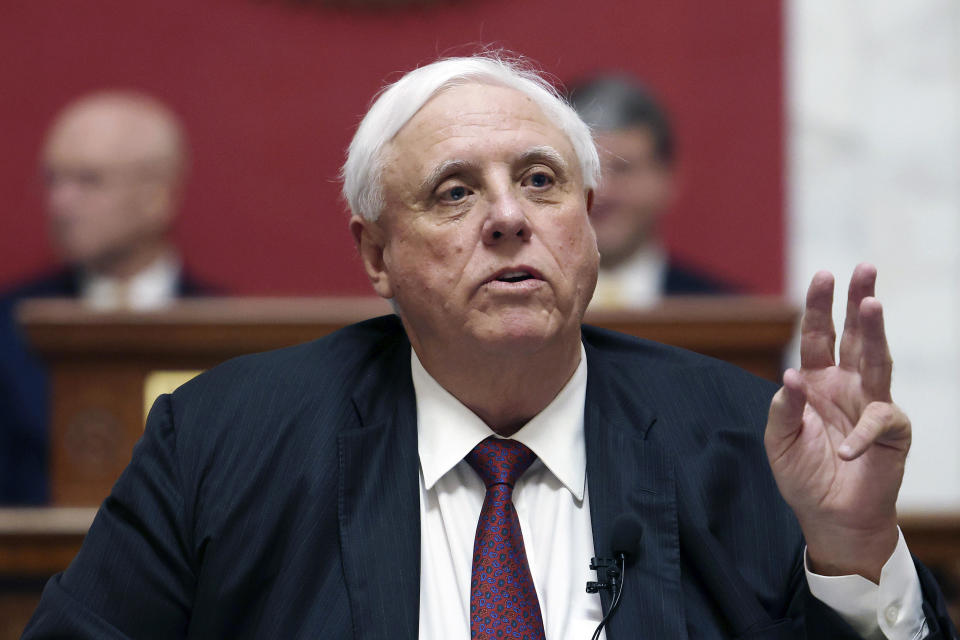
160	382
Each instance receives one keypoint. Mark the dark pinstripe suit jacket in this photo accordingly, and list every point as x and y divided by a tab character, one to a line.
277	496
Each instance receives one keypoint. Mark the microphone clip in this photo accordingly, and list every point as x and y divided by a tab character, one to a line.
608	575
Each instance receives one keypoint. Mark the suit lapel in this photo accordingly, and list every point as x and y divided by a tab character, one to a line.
379	505
627	474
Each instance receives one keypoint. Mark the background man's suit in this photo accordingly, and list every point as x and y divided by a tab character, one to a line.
681	280
277	496
24	392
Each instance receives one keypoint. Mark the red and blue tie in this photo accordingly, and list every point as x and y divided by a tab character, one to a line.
503	600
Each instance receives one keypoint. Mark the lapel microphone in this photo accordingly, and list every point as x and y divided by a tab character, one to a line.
625	543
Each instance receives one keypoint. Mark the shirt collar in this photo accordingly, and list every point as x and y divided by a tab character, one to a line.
648	258
447	430
153	287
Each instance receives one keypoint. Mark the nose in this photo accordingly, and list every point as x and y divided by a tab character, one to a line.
505	221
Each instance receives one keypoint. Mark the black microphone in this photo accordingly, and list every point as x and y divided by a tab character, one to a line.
625	544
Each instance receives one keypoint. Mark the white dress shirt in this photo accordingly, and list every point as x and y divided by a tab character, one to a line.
151	288
893	609
554	512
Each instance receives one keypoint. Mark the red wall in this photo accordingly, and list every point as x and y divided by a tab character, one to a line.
270	92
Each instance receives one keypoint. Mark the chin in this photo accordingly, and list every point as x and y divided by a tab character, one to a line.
522	331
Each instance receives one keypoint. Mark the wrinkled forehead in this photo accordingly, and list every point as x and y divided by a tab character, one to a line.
478	118
476	101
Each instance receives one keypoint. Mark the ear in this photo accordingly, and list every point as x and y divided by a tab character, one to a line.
370	240
589	198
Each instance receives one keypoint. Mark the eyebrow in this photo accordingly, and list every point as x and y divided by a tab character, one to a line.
543	153
445	168
546	155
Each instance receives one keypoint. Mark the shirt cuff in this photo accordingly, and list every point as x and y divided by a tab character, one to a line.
893	609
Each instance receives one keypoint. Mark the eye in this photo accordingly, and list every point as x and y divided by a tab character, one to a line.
85	178
89	178
455	194
539	180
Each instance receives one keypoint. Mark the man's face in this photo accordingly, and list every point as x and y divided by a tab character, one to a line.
637	188
103	196
484	240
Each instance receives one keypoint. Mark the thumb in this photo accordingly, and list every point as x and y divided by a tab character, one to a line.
786	414
881	422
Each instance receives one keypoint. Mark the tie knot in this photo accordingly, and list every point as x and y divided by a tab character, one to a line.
499	461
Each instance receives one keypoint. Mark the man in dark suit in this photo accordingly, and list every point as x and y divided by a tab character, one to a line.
113	167
637	149
448	473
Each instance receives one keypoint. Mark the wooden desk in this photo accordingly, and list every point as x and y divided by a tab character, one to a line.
750	332
100	361
34	544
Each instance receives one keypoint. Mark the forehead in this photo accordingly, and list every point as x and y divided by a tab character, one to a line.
632	136
103	134
475	122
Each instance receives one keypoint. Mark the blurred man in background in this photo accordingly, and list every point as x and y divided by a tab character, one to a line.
636	145
113	167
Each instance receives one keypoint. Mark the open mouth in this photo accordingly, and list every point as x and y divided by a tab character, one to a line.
514	276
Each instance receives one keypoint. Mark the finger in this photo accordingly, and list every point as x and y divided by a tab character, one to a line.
817	337
786	414
881	423
876	365
862	285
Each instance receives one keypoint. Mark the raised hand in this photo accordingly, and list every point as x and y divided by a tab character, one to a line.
836	442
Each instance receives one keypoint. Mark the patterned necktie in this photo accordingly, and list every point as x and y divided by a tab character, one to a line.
503	601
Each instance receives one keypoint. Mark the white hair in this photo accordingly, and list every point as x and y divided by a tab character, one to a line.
400	101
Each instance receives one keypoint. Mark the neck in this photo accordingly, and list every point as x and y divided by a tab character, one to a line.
505	390
124	265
